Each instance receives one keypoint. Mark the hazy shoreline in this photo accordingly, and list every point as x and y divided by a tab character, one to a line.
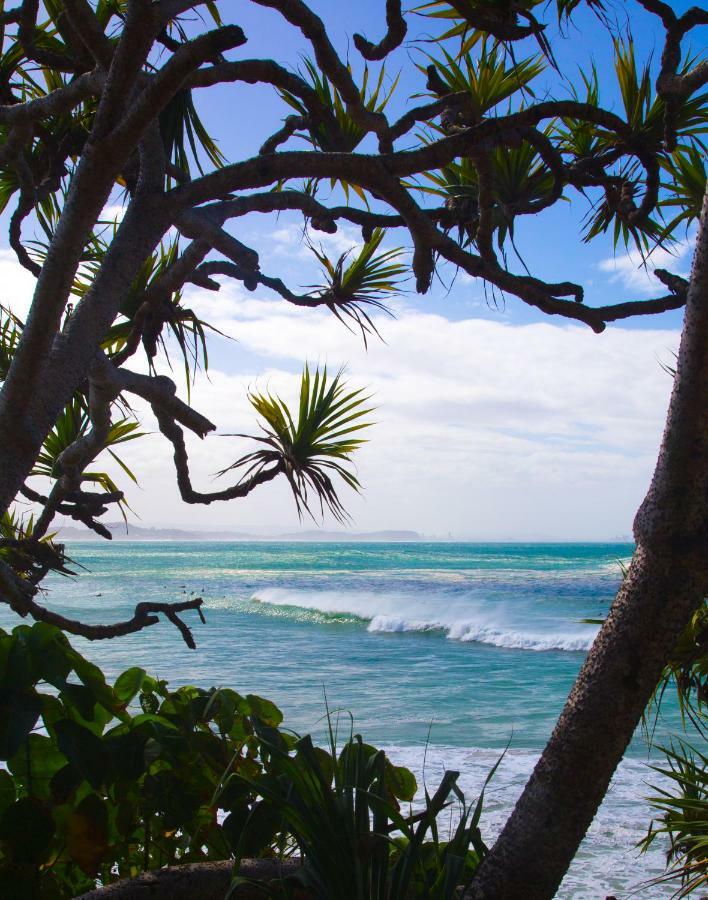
137	533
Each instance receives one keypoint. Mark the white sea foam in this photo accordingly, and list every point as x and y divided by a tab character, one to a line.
607	863
458	619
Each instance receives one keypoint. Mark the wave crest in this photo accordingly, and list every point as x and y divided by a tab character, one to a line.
486	627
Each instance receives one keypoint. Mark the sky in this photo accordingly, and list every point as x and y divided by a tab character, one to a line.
492	421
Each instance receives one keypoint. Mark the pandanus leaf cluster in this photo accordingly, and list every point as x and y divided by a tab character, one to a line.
681	804
74	423
313	446
359	278
485	78
334	128
339	131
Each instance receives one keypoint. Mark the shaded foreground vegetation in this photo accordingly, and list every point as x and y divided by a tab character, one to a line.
104	782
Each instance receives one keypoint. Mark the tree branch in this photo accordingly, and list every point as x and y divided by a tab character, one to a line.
396	29
174	434
20	596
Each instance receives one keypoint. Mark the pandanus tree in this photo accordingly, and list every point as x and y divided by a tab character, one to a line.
105	96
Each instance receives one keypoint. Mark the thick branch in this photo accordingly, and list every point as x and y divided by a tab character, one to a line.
58	101
206	881
87	27
173	433
396	29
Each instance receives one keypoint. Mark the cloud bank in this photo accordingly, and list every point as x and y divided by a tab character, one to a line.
483	429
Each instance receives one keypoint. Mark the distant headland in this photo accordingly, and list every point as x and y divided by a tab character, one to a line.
122	532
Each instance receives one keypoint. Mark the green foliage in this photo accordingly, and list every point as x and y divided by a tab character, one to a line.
72	424
519	179
184	135
686	179
687	671
339	131
139	316
29	557
645	113
343	811
319	444
486	79
358	279
104	790
336	130
102	782
10	333
683	809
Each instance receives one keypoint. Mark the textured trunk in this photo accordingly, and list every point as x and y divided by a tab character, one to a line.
667	580
199	881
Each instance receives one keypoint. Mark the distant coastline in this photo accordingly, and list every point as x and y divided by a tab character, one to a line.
121	532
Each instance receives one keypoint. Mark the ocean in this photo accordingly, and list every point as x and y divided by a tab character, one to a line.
443	653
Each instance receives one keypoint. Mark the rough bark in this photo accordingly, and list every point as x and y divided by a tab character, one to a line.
206	881
667	580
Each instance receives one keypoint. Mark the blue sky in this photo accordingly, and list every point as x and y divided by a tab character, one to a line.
494	421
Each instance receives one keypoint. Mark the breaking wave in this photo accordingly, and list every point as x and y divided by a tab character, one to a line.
457	620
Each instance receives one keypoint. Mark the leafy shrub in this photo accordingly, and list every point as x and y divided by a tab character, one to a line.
102	782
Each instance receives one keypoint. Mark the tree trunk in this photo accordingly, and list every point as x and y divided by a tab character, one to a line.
667	581
199	881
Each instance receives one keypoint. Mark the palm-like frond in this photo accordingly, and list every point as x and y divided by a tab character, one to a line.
644	110
184	135
181	322
28	556
339	132
645	113
609	213
74	423
472	20
485	79
683	817
10	333
359	278
314	445
685	185
686	670
519	176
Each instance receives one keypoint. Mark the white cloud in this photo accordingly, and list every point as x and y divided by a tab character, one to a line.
113	212
290	240
483	429
17	284
636	275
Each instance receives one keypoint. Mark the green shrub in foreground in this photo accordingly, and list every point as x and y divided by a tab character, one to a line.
102	782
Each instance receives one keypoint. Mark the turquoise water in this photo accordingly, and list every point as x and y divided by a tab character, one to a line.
462	648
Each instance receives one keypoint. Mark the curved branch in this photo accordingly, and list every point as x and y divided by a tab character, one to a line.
367	170
19	595
174	434
396	29
299	14
60	100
